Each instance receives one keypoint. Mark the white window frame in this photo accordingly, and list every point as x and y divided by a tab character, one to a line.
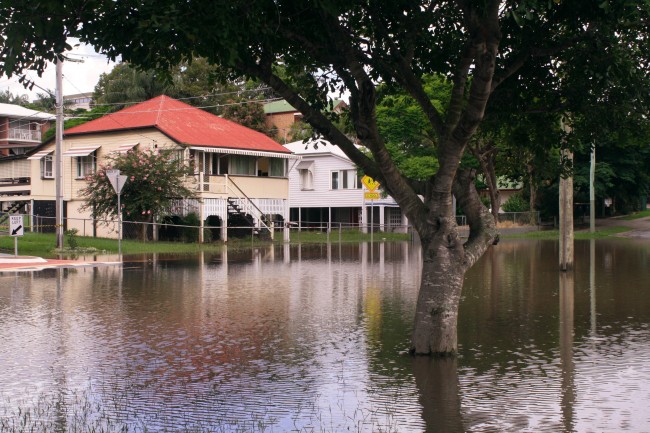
86	165
47	162
345	179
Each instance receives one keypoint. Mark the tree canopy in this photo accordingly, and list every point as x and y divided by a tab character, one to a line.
500	57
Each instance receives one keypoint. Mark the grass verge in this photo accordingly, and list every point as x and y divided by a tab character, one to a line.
637	215
555	234
43	244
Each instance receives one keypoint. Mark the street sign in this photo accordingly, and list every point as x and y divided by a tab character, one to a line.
16	227
370	183
371	195
117	180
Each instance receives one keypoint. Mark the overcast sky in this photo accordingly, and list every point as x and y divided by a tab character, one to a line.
77	77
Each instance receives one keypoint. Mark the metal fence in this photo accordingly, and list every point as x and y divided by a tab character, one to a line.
142	231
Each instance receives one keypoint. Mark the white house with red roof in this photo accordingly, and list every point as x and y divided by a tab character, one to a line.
238	170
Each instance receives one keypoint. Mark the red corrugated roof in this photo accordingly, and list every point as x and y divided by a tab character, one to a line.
183	123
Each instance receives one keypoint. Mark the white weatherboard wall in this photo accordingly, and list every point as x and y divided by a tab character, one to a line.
327	158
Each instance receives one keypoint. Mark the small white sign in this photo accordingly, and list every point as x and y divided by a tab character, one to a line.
16	226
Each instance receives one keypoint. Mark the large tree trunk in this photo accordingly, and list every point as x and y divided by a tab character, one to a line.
436	315
445	260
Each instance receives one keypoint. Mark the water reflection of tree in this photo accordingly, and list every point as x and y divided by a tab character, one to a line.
437	383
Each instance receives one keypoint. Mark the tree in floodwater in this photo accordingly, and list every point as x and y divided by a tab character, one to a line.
155	179
309	52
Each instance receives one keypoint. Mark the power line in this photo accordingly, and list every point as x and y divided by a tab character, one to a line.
209	95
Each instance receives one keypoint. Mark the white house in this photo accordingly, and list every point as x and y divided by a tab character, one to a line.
325	191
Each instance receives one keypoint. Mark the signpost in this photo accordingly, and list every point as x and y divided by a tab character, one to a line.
16	228
371	195
118	180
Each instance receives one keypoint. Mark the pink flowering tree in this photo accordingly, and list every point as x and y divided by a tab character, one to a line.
155	180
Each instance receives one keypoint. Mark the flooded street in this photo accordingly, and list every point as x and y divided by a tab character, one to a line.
314	338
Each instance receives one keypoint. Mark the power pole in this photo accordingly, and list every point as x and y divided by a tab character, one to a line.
566	217
58	169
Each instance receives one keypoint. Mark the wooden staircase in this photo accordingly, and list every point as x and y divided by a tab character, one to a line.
14	209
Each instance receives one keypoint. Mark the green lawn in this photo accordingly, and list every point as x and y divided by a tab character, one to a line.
43	244
637	215
555	234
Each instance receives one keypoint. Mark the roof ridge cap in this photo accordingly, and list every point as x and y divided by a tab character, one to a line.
162	98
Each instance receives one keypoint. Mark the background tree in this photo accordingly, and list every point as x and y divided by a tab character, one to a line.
195	81
491	51
155	180
6	97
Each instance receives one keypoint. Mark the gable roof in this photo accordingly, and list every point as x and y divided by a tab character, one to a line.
183	123
317	147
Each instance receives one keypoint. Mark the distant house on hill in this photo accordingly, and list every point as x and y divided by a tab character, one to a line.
280	117
237	170
325	191
78	100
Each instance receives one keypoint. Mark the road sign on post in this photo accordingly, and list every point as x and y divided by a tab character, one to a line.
370	183
16	227
118	180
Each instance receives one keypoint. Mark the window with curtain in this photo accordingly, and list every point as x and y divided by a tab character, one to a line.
243	165
276	167
85	165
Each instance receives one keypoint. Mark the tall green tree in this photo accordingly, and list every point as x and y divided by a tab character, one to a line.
492	51
125	85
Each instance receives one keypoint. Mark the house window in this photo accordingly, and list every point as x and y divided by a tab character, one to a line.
276	167
306	179
243	165
335	180
47	164
345	179
85	165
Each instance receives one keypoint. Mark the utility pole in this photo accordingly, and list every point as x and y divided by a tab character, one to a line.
566	209
58	169
566	217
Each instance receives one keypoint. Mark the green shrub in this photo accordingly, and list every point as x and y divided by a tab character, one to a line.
71	235
516	203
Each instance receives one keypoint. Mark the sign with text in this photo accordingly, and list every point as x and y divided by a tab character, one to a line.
371	195
370	183
16	226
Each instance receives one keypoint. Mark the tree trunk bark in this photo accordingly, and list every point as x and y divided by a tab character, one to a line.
436	315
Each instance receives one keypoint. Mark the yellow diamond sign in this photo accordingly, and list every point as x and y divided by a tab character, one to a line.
370	183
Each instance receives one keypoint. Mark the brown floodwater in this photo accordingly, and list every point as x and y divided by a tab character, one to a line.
314	338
